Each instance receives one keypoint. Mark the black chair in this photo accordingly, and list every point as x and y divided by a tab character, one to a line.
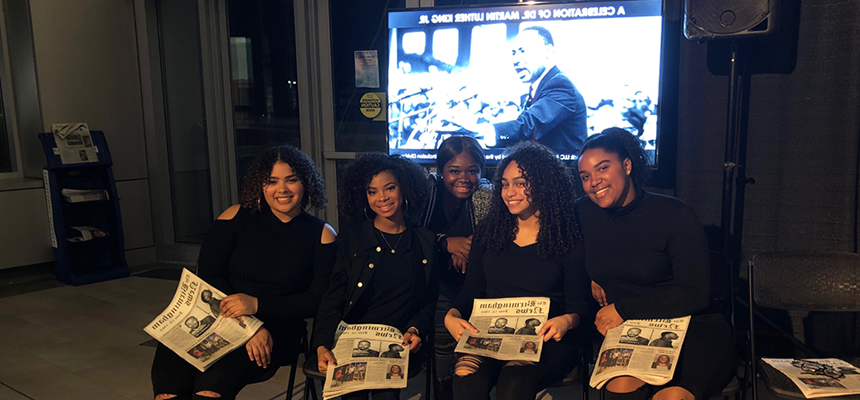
312	374
811	281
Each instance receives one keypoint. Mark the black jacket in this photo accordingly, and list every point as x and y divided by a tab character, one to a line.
358	248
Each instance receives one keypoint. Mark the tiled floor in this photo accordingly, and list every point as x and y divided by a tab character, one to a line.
61	342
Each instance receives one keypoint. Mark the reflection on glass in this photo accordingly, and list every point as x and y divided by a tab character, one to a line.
360	25
264	77
190	184
5	142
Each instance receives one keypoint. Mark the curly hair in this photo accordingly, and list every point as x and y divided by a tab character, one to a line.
624	145
552	191
258	173
352	196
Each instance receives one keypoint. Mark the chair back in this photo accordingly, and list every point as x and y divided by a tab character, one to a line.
810	281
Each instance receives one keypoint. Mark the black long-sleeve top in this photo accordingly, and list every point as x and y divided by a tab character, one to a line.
359	281
519	272
283	265
650	257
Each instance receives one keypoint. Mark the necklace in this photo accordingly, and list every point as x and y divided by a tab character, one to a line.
400	236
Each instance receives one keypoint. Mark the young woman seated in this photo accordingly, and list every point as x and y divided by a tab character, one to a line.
273	260
528	246
648	257
384	271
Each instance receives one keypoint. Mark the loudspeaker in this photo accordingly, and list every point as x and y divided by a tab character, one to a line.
729	19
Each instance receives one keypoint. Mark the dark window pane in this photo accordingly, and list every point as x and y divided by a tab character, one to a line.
264	76
187	141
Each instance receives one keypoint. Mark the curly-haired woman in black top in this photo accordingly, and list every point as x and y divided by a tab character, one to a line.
527	246
384	272
648	255
273	260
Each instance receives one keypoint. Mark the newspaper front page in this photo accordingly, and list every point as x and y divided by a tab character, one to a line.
369	356
643	348
819	377
74	143
507	328
192	327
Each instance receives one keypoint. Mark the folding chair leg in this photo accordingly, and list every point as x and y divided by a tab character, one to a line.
293	367
310	387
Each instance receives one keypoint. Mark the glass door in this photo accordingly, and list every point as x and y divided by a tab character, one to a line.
185	119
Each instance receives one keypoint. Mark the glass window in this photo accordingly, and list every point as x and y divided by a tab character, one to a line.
264	77
187	139
6	142
360	25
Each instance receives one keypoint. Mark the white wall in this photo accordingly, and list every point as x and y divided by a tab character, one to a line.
24	235
87	70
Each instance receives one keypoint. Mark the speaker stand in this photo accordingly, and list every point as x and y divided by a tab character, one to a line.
734	169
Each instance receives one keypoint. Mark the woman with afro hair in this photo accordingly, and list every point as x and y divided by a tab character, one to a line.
384	271
648	256
527	246
273	260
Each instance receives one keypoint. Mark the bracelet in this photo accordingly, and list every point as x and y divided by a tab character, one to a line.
440	242
413	330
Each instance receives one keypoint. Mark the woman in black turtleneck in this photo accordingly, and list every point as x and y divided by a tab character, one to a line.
648	256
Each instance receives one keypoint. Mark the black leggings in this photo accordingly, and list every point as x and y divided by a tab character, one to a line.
173	375
515	381
512	381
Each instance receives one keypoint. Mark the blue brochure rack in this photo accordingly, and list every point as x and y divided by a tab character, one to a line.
99	259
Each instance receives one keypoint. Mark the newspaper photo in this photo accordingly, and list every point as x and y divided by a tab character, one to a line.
507	328
192	327
74	143
819	377
643	348
369	356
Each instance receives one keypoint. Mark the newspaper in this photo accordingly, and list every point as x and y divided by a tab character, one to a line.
643	348
507	328
369	356
74	143
819	377
192	327
84	195
85	234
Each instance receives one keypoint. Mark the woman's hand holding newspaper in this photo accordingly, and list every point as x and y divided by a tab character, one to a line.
324	357
411	339
607	318
556	328
456	325
238	304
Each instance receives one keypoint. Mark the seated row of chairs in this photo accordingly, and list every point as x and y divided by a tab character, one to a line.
789	281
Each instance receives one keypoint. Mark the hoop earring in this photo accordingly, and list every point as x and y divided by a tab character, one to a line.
405	203
258	204
365	214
